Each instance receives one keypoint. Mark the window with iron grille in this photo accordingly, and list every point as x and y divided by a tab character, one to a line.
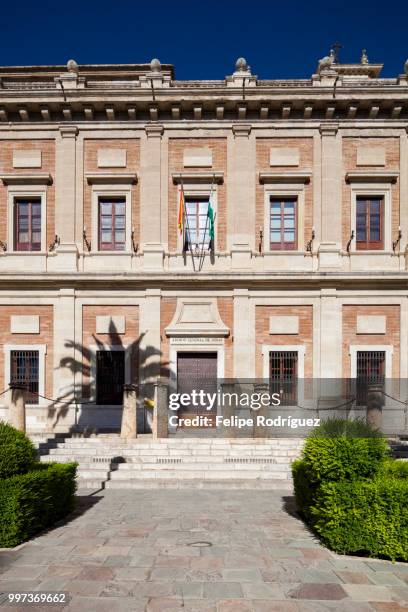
370	371
283	224
27	224
369	223
25	371
283	366
112	224
110	377
197	228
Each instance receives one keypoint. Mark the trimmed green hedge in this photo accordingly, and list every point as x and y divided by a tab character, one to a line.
398	469
31	502
351	493
364	516
17	452
343	458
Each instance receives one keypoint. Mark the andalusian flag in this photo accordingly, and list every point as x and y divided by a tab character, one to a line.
181	211
211	232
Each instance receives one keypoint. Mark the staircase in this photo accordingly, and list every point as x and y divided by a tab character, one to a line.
107	461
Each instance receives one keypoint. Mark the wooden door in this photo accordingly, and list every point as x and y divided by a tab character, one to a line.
196	372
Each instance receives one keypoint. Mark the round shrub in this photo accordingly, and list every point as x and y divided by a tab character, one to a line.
17	452
345	428
334	459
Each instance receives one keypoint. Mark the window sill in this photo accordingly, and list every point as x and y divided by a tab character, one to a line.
23	253
283	252
110	253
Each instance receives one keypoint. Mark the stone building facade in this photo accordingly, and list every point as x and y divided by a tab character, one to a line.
308	179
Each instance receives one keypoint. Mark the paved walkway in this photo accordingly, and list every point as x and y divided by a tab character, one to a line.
140	550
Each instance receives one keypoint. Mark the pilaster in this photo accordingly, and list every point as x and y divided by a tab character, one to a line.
150	197
241	194
331	164
66	377
404	190
244	335
65	200
330	343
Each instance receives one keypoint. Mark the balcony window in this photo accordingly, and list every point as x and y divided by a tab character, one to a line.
197	225
112	224
283	224
370	223
27	224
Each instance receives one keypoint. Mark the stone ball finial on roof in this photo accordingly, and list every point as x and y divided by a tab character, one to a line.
241	65
406	67
325	63
72	66
155	65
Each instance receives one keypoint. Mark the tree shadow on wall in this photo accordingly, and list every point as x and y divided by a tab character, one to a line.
142	366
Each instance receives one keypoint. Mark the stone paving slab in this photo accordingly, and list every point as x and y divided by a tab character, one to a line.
196	551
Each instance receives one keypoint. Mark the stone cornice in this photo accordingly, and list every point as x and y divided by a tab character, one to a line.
294	176
111	178
198	177
371	176
278	103
39	178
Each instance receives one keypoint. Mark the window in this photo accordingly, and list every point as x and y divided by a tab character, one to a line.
283	224
27	224
112	224
197	226
110	377
283	369
370	223
370	371
24	369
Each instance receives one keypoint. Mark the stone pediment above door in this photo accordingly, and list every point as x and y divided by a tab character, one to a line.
197	317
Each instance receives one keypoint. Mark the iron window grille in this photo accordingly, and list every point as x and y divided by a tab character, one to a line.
283	369
25	371
370	371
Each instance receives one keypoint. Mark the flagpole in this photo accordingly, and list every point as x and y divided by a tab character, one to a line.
202	255
185	224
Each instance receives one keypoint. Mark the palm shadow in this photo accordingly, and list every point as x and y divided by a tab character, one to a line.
143	365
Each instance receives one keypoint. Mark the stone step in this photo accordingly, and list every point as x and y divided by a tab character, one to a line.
194	465
202	474
284	485
134	455
137	448
182	443
280	463
90	483
163	452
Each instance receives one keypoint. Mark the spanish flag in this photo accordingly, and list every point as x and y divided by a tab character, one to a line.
181	211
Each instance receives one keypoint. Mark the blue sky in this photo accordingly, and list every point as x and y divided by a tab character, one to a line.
202	38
